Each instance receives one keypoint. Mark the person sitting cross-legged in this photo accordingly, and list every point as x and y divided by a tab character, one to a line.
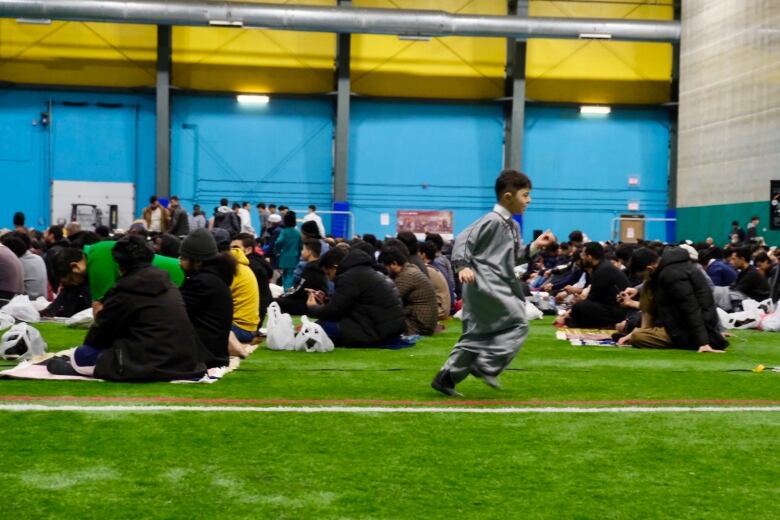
311	278
365	309
675	293
206	293
600	308
416	290
141	330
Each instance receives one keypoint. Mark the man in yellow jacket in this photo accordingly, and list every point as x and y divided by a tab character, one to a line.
246	298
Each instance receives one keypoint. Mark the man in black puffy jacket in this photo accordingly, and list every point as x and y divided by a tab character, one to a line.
681	300
365	310
141	330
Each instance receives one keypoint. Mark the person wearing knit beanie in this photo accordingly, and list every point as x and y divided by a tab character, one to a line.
199	246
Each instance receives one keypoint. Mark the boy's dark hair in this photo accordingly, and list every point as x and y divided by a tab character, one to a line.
246	239
223	202
13	242
313	245
437	240
594	250
511	181
312	207
332	258
260	205
409	240
576	236
57	232
18	219
742	252
244	203
392	255
236	205
289	219
283	207
152	199
755	217
131	251
735	223
63	259
427	249
272	206
174	197
761	257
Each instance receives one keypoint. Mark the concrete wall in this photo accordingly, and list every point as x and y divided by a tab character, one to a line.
729	138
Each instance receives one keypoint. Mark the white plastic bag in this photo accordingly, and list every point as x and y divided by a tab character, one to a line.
312	337
748	318
281	333
28	341
81	320
532	312
21	308
6	320
40	303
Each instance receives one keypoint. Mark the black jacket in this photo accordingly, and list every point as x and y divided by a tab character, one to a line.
227	219
312	277
263	272
684	302
70	300
366	304
606	281
180	224
144	331
752	284
210	309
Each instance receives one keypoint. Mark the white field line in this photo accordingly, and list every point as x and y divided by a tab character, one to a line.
380	409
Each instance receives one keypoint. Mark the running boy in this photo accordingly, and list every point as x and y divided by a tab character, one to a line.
484	256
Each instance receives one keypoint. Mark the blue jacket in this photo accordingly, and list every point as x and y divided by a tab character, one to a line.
721	273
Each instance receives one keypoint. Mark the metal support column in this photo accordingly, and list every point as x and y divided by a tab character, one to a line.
674	98
163	97
343	90
515	88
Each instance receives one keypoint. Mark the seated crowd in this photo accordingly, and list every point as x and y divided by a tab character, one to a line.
176	295
171	306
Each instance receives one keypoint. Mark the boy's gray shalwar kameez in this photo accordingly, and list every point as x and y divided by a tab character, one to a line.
494	320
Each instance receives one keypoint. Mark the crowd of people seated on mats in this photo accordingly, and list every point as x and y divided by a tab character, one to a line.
169	306
177	294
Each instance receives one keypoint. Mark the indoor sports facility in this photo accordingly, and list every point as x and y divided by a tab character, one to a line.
390	258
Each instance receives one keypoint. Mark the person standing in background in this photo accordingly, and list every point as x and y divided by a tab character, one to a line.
156	217
180	225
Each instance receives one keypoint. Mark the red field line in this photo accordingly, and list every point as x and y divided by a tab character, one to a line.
387	402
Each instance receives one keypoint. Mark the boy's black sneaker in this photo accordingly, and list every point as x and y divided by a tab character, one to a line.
443	383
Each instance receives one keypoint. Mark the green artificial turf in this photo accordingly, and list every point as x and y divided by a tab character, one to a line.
546	369
370	465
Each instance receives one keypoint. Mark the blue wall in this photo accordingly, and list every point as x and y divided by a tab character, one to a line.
277	153
580	167
403	155
83	141
422	157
